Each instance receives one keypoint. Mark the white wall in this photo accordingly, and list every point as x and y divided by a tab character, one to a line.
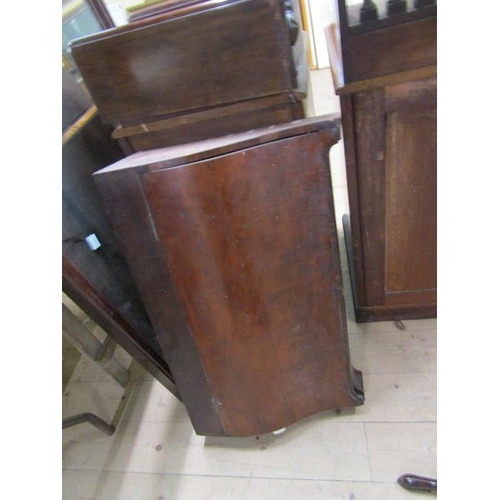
117	9
322	14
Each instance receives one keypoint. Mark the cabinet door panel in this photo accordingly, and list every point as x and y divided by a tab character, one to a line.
411	246
395	182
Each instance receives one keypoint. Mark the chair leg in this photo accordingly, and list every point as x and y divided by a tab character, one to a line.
97	422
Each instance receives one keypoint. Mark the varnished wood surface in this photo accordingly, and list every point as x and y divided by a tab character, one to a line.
393	20
392	50
235	253
398	197
391	172
389	311
359	453
216	122
94	303
388	50
200	150
341	87
210	114
223	53
388	103
411	206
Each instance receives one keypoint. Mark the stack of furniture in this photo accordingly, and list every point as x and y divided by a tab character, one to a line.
96	276
223	211
384	70
191	70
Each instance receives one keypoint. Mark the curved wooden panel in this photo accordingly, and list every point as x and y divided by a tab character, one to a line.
249	243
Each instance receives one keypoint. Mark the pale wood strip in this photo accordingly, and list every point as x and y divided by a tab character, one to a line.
96	351
398	448
330	451
83	485
393	340
396	360
101	398
395	397
151	402
389	326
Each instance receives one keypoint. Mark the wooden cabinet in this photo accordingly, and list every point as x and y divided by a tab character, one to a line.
385	75
233	246
98	279
197	69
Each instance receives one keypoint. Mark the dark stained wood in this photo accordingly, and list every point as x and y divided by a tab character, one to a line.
213	113
232	242
218	121
201	150
224	53
388	45
353	236
88	150
388	107
370	163
385	21
424	73
411	201
101	11
392	50
99	281
92	301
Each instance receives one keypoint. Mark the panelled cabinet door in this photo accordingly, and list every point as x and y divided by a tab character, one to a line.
234	247
384	67
394	205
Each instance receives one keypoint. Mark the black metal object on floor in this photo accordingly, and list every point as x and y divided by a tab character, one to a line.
413	482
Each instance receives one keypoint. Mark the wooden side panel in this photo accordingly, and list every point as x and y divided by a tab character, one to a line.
352	233
183	131
129	212
250	239
235	253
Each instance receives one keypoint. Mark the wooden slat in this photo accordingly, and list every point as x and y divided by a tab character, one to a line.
87	344
223	53
370	172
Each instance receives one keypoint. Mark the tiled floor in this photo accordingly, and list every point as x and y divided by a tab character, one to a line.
357	454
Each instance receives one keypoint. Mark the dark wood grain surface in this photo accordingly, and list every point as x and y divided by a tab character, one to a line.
224	52
386	46
393	50
388	102
233	245
214	122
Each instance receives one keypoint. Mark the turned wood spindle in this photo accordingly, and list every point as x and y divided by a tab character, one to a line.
420	4
395	7
368	11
